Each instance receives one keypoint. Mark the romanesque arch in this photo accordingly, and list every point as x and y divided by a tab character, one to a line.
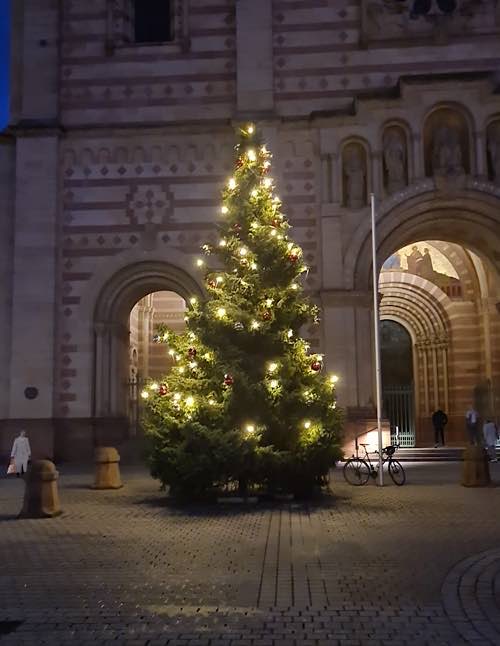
111	333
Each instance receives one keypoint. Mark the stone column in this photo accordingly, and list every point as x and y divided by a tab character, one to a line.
254	58
418	166
480	150
336	178
34	295
377	175
7	201
102	370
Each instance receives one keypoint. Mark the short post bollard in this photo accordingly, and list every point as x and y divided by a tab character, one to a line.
107	468
41	497
475	469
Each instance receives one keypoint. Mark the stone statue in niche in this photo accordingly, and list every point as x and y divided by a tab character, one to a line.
494	151
355	175
395	161
447	158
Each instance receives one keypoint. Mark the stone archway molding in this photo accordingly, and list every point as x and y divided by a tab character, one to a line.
110	325
470	217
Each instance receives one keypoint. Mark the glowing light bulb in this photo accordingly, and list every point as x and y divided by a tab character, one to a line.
253	265
269	302
307	424
250	428
254	193
289	334
267	164
193	364
211	401
199	262
190	401
274	383
232	183
250	129
222	243
251	155
207	356
144	394
272	367
221	312
182	369
294	286
334	379
224	210
219	280
154	386
263	149
165	336
177	397
273	233
276	199
254	325
193	300
254	225
243	251
268	182
171	353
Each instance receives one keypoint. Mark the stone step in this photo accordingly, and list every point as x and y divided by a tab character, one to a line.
430	454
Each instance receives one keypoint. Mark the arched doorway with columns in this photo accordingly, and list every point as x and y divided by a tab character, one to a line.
453	320
127	310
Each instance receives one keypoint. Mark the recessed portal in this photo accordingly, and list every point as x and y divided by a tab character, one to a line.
397	381
146	358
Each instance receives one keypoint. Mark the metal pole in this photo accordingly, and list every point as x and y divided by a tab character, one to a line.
376	328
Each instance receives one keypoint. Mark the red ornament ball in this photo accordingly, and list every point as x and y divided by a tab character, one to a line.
163	390
236	226
316	365
228	380
293	257
266	315
192	353
212	284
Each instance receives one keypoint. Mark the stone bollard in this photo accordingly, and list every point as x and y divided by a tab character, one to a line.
475	469
107	468
41	498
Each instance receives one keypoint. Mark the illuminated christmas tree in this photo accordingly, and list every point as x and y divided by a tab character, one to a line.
245	401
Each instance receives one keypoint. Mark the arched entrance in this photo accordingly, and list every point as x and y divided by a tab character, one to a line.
127	294
396	349
453	318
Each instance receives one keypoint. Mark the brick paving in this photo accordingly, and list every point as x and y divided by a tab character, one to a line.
418	564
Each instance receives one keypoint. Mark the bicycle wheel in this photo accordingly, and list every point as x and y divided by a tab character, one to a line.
397	472
356	472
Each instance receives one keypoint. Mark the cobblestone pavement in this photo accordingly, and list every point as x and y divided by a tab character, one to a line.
418	564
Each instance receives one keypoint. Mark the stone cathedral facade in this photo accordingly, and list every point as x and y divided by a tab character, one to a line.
121	137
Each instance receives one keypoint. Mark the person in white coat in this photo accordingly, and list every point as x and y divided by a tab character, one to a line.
490	433
21	453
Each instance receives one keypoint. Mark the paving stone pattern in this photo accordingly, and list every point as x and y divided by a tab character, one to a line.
418	564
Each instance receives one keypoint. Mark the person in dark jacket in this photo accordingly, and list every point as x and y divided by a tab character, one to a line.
439	421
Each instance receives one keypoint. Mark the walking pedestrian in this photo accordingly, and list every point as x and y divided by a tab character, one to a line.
490	434
21	453
472	424
439	421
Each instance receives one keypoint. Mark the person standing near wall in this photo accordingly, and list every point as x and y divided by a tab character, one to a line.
439	421
21	453
472	424
490	434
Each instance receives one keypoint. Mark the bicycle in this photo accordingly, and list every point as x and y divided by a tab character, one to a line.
357	471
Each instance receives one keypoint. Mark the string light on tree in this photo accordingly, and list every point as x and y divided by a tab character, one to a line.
245	386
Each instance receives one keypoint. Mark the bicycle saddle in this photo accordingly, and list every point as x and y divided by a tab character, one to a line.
390	450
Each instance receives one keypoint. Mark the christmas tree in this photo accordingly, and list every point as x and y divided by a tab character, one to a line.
245	402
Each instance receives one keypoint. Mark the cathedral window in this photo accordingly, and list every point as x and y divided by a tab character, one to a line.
153	21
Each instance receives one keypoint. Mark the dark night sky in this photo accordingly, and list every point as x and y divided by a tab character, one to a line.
4	69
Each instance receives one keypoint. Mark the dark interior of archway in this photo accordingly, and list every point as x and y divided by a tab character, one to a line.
396	355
